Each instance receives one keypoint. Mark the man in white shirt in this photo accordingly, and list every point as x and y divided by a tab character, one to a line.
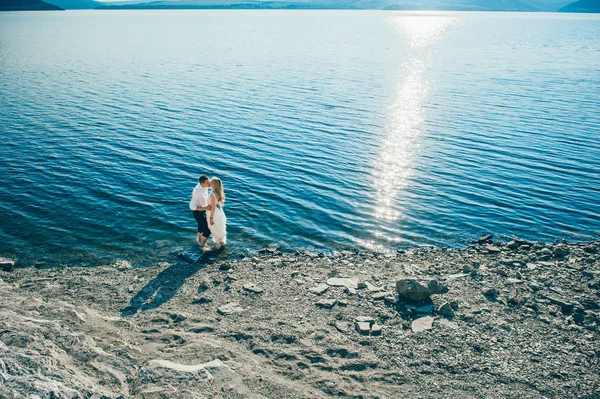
199	205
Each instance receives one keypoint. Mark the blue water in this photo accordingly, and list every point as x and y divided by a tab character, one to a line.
330	129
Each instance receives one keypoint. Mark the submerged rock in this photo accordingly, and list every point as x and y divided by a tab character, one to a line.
6	264
485	239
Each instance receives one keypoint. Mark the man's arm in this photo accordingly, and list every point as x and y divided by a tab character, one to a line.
194	201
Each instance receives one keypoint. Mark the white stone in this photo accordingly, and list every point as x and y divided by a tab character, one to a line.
230	308
343	282
422	324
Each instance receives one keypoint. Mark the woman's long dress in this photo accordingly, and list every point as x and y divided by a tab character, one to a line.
219	229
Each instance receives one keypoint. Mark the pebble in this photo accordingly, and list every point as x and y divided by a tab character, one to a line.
122	265
492	249
366	325
229	309
447	324
391	300
366	319
457	275
342	326
252	288
372	288
376	329
319	289
485	239
363	327
203	286
567	307
512	244
590	273
326	303
379	296
201	300
446	311
561	250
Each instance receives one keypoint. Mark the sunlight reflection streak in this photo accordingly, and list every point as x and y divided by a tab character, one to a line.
395	163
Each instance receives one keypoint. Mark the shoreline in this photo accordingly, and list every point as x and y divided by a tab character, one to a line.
154	253
518	319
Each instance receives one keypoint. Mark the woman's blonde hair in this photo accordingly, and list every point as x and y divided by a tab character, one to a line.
217	189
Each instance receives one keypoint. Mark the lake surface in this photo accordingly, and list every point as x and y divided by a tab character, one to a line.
330	129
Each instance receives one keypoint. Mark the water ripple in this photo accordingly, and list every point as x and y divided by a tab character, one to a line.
432	129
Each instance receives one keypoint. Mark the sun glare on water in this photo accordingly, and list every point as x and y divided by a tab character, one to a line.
394	165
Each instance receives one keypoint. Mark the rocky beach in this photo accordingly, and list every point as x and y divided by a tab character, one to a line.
493	320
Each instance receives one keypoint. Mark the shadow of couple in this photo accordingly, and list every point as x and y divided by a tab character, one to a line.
167	283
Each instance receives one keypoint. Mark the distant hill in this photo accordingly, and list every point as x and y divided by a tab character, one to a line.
214	4
458	5
467	5
27	5
582	6
76	4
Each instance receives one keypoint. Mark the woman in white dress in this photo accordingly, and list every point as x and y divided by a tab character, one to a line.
217	222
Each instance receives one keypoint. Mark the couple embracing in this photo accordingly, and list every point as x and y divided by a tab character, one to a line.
208	211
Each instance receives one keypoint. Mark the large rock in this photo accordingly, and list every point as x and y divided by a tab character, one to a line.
485	239
418	289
